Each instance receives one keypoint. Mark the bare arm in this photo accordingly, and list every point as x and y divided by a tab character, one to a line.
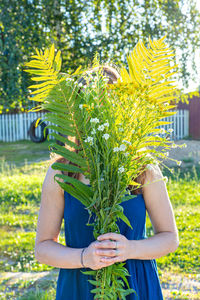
165	239
47	248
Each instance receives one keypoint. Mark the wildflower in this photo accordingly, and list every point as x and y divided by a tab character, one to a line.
101	179
80	84
122	147
184	145
179	162
106	124
162	130
105	78
106	136
165	178
126	153
121	169
100	128
69	79
116	149
170	129
121	129
89	139
94	120
166	153
93	131
174	145
81	106
124	141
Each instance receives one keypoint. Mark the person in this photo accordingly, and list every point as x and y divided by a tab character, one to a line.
132	246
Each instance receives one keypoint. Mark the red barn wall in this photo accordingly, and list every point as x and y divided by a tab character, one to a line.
194	116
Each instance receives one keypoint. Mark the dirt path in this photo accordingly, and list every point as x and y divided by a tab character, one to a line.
189	155
174	286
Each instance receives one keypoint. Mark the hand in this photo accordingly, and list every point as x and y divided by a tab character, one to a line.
113	247
92	260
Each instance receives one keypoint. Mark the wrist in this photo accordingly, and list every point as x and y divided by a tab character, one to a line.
132	249
82	258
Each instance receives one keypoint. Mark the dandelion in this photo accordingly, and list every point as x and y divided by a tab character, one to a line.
100	128
121	169
116	149
94	120
122	147
106	136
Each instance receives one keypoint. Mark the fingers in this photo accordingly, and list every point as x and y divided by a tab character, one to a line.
106	252
106	244
110	260
109	236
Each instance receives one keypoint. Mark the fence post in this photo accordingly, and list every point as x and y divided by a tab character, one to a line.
21	132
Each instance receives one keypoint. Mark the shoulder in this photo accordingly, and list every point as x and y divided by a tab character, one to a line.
153	173
50	182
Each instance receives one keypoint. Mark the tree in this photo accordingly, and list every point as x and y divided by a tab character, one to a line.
80	28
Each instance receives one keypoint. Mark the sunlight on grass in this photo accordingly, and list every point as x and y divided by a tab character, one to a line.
20	192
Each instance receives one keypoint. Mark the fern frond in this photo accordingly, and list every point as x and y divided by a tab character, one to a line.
47	70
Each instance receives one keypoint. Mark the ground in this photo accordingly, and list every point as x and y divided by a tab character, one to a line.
23	278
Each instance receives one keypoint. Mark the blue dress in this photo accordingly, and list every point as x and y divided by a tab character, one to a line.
73	285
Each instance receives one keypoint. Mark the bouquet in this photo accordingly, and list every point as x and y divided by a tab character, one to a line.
117	126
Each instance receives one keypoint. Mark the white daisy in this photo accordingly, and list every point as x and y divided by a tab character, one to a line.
100	127
122	147
121	169
116	149
94	120
106	136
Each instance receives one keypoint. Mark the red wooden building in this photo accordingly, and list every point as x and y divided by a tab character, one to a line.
194	116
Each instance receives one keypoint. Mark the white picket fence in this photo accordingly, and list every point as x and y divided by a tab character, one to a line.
14	127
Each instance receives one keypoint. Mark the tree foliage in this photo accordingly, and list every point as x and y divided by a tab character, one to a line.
80	28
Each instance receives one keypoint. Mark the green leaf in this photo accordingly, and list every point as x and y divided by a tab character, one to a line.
89	272
70	155
128	197
73	192
81	187
66	167
65	140
124	218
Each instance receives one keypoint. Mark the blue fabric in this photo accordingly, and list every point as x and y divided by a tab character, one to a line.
73	285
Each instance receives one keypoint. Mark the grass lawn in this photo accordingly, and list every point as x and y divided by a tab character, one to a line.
20	189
